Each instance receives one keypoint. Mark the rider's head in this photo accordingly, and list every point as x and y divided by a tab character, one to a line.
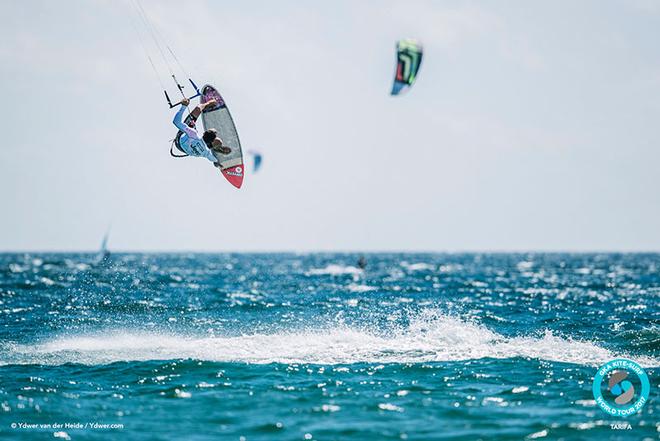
210	136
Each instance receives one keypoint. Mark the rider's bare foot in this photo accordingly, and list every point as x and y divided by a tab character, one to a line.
222	149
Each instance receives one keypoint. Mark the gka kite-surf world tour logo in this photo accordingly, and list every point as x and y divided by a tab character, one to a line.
621	387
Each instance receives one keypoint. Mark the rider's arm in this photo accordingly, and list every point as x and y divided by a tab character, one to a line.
192	133
177	119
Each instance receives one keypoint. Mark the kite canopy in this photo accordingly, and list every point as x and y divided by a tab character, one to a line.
409	58
257	160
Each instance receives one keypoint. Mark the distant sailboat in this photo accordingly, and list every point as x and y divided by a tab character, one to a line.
104	254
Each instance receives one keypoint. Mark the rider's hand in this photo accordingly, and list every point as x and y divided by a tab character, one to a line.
185	102
211	102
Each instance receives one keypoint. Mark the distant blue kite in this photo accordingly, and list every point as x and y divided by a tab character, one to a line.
257	160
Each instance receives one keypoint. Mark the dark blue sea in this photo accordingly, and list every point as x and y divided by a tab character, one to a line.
312	347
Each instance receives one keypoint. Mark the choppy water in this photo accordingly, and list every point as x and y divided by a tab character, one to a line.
286	346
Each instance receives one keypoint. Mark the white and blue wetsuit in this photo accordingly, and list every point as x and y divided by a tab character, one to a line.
190	141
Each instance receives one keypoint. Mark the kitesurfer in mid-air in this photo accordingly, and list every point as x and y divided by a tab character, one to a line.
190	141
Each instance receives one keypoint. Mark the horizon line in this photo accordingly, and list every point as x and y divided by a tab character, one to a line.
338	251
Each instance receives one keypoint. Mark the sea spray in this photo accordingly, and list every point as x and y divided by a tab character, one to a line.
430	337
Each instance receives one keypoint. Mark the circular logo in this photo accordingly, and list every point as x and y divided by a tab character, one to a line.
621	387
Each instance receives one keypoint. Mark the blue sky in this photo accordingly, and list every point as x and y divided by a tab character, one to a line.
533	126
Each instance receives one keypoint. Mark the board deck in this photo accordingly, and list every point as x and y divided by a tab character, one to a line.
218	117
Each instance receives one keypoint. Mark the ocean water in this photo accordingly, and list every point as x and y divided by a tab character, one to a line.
310	347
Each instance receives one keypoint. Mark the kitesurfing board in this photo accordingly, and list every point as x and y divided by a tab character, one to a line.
218	117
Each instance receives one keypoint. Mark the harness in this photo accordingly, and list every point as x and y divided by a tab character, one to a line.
176	142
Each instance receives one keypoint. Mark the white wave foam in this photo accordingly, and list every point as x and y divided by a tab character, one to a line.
334	270
354	287
429	338
420	266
